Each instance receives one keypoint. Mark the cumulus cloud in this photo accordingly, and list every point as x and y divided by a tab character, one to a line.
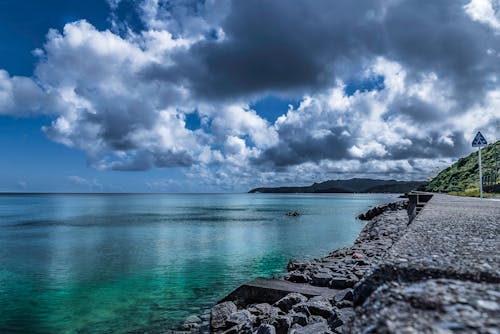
124	96
22	96
485	11
407	119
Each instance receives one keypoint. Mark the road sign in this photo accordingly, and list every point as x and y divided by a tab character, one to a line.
479	140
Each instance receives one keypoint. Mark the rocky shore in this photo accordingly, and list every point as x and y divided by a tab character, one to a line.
339	270
388	281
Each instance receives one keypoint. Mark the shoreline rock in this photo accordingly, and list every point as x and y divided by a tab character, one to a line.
339	271
379	209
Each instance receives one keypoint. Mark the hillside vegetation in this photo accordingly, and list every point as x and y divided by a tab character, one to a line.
463	175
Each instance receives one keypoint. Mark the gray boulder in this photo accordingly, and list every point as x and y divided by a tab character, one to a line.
343	282
298	318
265	329
345	316
286	303
264	313
316	318
220	314
346	294
320	306
298	277
241	320
302	308
296	265
317	328
282	324
321	279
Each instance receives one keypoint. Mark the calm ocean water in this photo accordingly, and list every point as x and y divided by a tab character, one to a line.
125	263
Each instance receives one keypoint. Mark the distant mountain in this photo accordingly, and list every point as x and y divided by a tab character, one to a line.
348	186
464	174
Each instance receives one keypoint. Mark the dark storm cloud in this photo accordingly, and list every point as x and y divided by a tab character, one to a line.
432	146
438	36
418	111
303	45
144	160
292	151
272	45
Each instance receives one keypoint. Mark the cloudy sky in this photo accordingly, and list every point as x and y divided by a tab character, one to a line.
219	95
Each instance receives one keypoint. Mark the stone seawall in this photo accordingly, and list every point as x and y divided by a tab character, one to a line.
438	273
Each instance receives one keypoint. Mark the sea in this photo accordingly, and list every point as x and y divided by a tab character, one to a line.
142	263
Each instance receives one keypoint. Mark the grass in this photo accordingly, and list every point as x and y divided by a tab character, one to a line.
472	192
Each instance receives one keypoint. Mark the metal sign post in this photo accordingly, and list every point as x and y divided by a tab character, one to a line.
480	175
479	141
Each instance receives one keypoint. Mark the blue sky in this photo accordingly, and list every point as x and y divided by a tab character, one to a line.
187	95
32	162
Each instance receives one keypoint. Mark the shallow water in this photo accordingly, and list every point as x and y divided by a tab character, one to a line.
125	263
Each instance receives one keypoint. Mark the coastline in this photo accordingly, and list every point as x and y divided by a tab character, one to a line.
345	265
399	273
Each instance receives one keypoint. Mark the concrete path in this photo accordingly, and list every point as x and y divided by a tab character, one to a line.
441	276
456	235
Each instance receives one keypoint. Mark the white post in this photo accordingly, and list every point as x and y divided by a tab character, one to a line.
480	176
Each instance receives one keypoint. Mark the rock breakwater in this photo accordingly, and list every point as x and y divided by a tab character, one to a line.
438	274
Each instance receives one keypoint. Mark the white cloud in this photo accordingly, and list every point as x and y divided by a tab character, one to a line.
21	96
188	18
106	108
484	11
92	183
237	120
92	82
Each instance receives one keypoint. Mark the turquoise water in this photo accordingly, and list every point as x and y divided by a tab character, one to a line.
142	263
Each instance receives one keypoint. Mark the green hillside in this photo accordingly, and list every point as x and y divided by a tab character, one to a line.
463	175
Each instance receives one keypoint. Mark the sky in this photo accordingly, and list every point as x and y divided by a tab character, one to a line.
224	96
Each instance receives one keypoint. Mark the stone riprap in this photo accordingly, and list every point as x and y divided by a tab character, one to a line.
437	274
